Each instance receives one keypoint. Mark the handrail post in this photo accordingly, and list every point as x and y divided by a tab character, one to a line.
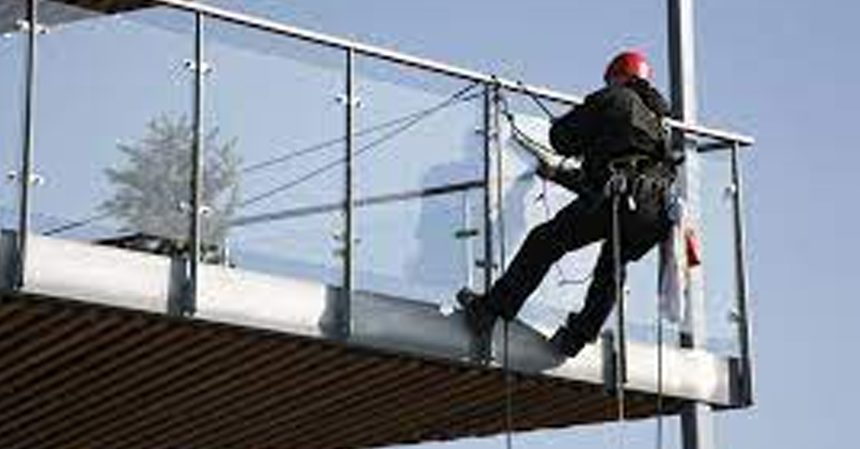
26	163
488	189
189	305
496	144
742	316
412	61
696	418
343	312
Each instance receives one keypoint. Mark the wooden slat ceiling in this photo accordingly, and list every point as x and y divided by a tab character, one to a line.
53	12
106	6
75	375
19	7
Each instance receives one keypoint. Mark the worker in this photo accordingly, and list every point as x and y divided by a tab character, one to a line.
618	137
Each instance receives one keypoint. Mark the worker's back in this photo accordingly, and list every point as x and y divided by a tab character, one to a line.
613	122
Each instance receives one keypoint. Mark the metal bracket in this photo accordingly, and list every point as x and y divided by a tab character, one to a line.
493	134
9	261
204	211
341	238
480	263
191	65
341	252
730	191
610	361
35	178
23	26
739	383
180	301
466	233
356	102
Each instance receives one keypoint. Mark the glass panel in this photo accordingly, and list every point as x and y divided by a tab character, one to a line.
418	171
13	47
114	126
528	200
515	32
275	100
717	229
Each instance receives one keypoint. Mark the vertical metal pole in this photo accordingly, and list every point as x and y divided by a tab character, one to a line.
26	172
741	279
696	421
495	137
344	309
488	190
196	171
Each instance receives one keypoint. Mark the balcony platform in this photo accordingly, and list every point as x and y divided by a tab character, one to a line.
90	356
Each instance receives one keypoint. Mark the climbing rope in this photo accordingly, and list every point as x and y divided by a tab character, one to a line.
536	100
620	364
407	120
459	96
509	395
317	147
616	190
660	338
543	197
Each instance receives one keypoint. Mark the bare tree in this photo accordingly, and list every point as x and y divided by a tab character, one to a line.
153	188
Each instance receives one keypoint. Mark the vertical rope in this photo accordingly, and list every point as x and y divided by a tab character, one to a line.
620	363
659	376
509	397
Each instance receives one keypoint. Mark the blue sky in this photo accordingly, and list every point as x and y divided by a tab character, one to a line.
779	70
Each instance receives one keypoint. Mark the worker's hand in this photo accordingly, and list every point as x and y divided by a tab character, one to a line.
546	171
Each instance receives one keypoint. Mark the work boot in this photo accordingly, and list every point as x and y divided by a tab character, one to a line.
480	318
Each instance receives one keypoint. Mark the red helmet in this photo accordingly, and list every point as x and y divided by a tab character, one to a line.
628	64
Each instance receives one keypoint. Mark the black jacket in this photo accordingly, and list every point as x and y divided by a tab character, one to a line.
612	122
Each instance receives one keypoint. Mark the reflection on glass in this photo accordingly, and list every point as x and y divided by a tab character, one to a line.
428	160
277	100
114	126
718	251
527	201
13	48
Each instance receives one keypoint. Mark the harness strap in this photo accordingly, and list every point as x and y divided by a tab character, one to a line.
631	162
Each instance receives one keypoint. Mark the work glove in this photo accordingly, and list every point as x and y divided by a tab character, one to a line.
566	173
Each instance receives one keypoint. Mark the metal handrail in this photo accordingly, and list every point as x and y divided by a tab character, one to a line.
724	137
366	50
425	64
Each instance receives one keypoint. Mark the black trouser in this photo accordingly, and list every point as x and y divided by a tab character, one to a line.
584	221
